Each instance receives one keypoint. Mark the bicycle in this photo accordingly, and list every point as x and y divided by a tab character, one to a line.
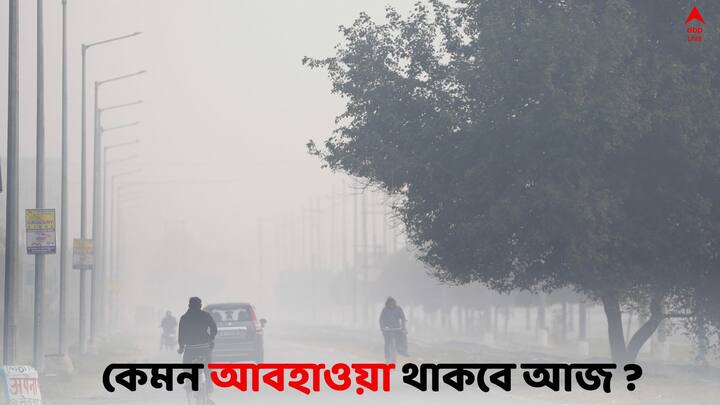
198	354
391	343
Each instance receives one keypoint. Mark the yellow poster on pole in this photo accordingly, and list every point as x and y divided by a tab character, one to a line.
83	254
40	231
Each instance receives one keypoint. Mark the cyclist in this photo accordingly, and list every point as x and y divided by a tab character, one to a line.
196	336
392	325
169	326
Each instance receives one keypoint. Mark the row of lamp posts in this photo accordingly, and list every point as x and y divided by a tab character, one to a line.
98	275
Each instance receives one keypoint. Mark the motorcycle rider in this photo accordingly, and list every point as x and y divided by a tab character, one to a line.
197	328
169	326
392	324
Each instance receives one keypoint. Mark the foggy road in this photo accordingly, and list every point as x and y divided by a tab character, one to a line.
526	183
292	342
284	349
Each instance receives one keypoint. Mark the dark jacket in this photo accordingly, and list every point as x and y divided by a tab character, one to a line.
392	317
196	327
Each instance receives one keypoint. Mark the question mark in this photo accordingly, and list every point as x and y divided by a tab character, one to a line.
635	372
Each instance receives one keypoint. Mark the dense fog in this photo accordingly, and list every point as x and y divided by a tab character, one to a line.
229	205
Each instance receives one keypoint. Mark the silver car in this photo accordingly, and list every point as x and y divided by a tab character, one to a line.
240	333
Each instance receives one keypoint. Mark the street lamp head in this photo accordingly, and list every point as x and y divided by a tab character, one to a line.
132	124
117	106
85	46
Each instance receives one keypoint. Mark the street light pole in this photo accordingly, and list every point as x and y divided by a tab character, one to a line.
95	224
113	266
11	208
83	183
62	310
83	207
95	299
107	276
38	355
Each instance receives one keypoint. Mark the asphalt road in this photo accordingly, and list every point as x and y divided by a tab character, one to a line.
291	343
282	349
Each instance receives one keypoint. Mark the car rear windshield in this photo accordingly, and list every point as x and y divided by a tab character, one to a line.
230	313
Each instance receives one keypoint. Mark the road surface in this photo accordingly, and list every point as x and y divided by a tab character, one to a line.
287	343
284	349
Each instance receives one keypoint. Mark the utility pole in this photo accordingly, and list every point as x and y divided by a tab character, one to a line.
96	237
113	268
304	245
365	264
356	247
113	243
11	209
38	355
260	256
62	311
97	298
83	183
315	229
83	207
333	241
343	231
108	278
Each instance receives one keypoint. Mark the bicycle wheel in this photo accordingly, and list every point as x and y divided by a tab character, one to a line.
202	391
392	350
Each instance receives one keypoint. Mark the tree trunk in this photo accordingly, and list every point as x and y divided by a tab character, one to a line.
495	322
564	318
541	312
528	325
618	352
628	326
646	330
469	321
701	341
506	320
622	354
582	321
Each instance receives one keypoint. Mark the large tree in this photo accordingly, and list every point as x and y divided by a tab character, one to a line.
542	144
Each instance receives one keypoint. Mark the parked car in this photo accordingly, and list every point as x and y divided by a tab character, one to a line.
240	333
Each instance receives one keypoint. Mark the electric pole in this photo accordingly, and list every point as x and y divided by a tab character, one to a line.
11	208
38	355
62	310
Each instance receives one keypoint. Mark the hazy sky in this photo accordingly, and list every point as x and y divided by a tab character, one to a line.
227	110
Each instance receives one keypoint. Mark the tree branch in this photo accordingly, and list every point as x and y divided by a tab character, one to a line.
678	315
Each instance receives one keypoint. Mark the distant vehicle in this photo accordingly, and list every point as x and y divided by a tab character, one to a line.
240	333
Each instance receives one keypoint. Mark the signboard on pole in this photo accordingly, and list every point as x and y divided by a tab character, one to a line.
40	231
20	385
83	254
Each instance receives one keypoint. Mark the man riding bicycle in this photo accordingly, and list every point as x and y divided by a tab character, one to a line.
169	326
196	335
392	325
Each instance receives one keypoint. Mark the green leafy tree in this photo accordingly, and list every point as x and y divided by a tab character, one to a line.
540	145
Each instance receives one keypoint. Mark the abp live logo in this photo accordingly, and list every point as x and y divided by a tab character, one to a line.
694	31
